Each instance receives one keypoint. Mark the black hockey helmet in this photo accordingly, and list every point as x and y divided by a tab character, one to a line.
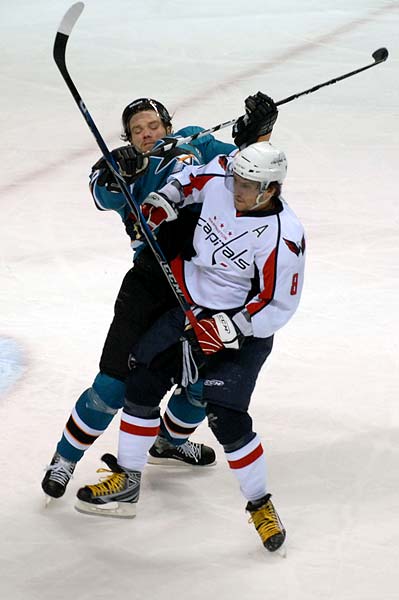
140	105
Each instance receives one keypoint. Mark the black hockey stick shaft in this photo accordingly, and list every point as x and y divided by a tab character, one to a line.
59	53
379	56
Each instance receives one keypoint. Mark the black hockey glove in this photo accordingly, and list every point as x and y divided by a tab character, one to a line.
132	164
133	230
260	116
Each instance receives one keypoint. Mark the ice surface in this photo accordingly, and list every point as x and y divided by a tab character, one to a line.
326	404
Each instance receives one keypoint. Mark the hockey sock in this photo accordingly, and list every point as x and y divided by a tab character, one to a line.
181	418
136	436
249	466
90	417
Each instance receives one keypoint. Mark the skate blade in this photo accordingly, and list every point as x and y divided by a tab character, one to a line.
117	510
282	552
175	462
47	500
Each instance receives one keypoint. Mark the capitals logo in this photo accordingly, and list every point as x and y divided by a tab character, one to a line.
296	247
213	234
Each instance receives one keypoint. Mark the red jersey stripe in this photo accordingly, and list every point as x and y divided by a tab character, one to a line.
246	460
269	284
177	266
138	430
223	162
197	182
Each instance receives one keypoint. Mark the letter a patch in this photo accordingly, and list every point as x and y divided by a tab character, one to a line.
260	230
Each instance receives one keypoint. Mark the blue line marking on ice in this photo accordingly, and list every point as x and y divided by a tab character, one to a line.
11	367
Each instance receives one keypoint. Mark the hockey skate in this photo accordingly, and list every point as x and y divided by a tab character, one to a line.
267	523
58	474
189	453
115	495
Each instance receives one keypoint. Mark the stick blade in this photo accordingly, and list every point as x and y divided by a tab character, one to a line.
69	19
380	55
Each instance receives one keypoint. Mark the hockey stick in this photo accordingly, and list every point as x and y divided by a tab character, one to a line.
59	52
379	56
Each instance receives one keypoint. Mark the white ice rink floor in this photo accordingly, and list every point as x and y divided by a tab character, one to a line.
326	404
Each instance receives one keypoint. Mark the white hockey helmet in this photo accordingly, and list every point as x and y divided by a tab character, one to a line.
261	162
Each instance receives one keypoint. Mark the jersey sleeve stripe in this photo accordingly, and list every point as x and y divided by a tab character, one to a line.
197	182
92	186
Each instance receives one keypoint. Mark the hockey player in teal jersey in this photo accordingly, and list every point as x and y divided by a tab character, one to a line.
145	293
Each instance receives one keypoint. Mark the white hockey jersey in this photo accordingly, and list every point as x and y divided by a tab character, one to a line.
230	247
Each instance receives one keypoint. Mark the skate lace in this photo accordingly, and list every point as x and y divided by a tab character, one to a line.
61	471
108	485
266	521
190	449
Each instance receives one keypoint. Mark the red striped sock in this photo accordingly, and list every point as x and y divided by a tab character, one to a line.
248	464
136	437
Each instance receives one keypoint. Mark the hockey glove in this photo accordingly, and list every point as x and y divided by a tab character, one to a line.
132	164
133	231
215	333
156	209
260	116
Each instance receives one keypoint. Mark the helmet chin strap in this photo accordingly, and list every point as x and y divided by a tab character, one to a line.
258	201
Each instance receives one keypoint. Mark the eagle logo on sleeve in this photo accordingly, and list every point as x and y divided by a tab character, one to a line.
296	247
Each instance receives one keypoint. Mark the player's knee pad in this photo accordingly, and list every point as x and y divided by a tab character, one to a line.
106	394
232	428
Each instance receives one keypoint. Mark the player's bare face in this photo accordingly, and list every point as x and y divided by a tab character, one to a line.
146	128
245	193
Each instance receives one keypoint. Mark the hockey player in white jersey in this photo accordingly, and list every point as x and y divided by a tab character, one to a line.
246	232
145	293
